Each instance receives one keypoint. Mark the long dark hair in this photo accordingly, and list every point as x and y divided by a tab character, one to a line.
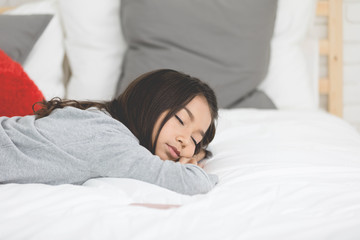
142	102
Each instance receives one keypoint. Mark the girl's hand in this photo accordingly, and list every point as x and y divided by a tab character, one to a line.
194	159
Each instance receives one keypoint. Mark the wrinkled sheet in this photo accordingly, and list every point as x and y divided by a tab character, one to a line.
283	175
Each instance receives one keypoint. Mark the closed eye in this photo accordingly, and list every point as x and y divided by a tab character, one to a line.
182	123
179	119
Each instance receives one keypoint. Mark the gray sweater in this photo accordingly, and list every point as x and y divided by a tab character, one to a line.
72	145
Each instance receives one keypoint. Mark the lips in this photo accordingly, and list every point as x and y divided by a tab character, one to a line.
174	152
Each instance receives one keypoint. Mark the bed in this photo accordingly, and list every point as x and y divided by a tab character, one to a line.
286	173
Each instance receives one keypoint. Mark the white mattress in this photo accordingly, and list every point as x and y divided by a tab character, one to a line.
283	175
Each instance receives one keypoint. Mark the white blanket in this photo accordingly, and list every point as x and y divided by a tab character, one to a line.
283	175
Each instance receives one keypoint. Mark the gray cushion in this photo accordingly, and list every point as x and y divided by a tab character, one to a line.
224	43
19	33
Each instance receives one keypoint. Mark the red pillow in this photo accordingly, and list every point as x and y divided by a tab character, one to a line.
18	92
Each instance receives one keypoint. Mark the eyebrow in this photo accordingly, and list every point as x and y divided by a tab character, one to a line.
192	119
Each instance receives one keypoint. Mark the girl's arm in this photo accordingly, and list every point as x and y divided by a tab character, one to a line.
131	160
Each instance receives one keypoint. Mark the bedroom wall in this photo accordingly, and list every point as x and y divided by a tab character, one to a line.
351	19
351	60
351	35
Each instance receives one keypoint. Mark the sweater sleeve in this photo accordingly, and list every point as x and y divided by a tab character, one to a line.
73	145
126	158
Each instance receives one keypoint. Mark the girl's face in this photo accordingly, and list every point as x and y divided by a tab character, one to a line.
181	133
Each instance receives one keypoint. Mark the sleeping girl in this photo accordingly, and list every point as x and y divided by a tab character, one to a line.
156	131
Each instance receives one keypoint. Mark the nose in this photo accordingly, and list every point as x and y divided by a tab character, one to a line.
183	141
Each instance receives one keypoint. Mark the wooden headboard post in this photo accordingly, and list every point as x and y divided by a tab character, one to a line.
4	9
331	47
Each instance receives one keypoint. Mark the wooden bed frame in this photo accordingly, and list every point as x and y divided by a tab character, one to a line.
331	47
4	9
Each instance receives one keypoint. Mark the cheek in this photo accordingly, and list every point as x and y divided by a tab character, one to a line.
161	141
158	144
159	149
189	152
161	137
168	131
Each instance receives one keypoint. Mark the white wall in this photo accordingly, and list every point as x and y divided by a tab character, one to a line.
351	59
351	35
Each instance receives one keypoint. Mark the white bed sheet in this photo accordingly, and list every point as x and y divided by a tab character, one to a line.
283	175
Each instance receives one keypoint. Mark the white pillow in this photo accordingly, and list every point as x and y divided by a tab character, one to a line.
94	47
44	64
292	80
